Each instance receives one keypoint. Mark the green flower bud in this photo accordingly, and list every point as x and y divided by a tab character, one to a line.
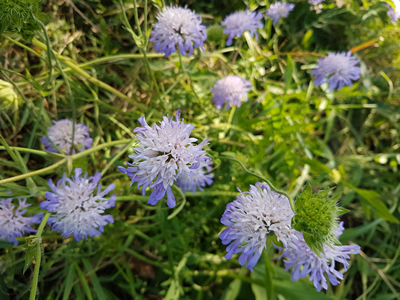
317	217
9	99
215	34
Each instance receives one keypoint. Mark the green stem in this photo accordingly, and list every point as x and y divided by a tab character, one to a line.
136	17
49	52
91	79
264	179
35	278
33	151
268	277
65	159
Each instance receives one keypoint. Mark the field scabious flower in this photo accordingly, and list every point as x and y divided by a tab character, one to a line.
165	152
231	89
180	27
12	222
315	2
393	14
279	10
250	218
238	22
197	178
61	135
339	69
302	261
77	207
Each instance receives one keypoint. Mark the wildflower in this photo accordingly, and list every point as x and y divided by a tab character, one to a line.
180	27
197	178
238	22
279	10
393	14
302	261
315	2
250	218
165	152
12	222
339	69
77	209
231	89
61	136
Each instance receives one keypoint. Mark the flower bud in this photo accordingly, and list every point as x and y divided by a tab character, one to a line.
9	99
215	34
317	218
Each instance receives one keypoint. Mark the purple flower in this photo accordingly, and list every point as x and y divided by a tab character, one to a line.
165	152
315	2
238	22
196	178
250	218
301	260
12	222
77	207
231	89
279	10
339	69
61	135
180	27
393	14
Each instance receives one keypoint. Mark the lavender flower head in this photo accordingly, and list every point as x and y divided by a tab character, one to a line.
250	218
339	69
165	152
61	135
238	22
77	207
279	10
180	27
393	14
231	89
197	178
315	2
302	261
12	222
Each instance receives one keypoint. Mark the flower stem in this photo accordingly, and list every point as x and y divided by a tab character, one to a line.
262	178
65	159
268	277
35	278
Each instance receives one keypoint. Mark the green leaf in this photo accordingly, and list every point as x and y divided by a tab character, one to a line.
95	280
232	290
69	281
372	198
30	245
288	71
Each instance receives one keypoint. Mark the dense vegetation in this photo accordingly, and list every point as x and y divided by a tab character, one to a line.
290	132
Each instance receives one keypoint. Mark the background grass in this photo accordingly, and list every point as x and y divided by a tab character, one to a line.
289	131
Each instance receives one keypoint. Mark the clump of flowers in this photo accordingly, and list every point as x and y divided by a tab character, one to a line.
60	134
78	205
165	152
393	14
12	222
231	89
197	178
317	218
338	69
9	99
251	218
238	22
301	260
279	10
178	27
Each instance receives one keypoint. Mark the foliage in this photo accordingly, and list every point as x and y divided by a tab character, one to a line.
289	132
